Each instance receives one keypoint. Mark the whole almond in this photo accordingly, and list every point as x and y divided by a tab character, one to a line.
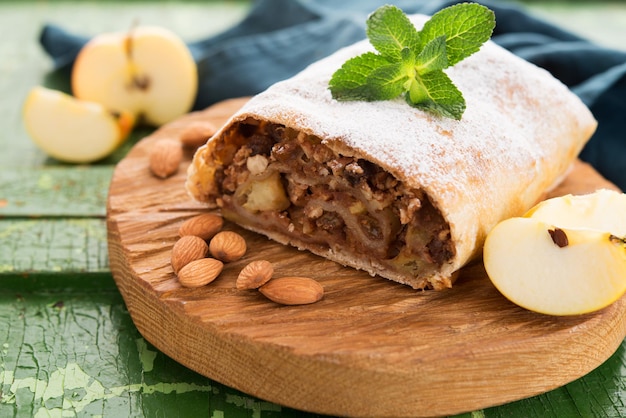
227	246
200	272
165	157
293	290
204	226
255	275
186	250
197	133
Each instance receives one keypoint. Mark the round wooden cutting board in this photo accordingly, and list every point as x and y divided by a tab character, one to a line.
370	347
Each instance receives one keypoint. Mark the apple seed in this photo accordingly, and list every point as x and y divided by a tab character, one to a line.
559	237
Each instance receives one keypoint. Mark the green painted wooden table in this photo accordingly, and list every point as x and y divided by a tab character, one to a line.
68	345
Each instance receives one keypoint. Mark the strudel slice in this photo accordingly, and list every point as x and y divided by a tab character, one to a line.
385	187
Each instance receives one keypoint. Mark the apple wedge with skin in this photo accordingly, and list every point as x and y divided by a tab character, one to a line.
73	130
555	271
603	210
148	71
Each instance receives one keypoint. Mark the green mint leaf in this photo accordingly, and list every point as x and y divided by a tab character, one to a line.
411	62
350	81
407	56
466	27
433	57
387	82
390	31
435	92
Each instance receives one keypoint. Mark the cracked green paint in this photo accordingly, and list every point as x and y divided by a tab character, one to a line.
53	245
145	355
65	383
77	353
55	191
45	182
72	378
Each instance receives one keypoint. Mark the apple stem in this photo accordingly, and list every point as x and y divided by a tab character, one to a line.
139	81
128	45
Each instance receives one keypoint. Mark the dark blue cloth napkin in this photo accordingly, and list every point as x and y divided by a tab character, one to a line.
278	38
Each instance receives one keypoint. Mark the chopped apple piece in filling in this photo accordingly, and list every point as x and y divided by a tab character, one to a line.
266	194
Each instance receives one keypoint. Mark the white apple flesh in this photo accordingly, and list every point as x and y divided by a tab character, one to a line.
73	130
148	71
563	272
603	210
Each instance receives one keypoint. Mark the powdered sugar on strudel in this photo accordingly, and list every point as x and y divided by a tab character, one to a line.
356	176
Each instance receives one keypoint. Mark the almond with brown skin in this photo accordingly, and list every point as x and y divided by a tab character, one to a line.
227	246
293	290
204	226
255	275
200	272
165	157
197	133
188	249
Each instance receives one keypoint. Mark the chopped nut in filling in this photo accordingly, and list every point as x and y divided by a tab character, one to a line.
276	177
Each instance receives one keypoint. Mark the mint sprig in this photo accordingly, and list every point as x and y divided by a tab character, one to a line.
411	62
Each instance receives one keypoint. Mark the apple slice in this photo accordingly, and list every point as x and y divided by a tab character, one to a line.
555	271
73	130
601	210
148	71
